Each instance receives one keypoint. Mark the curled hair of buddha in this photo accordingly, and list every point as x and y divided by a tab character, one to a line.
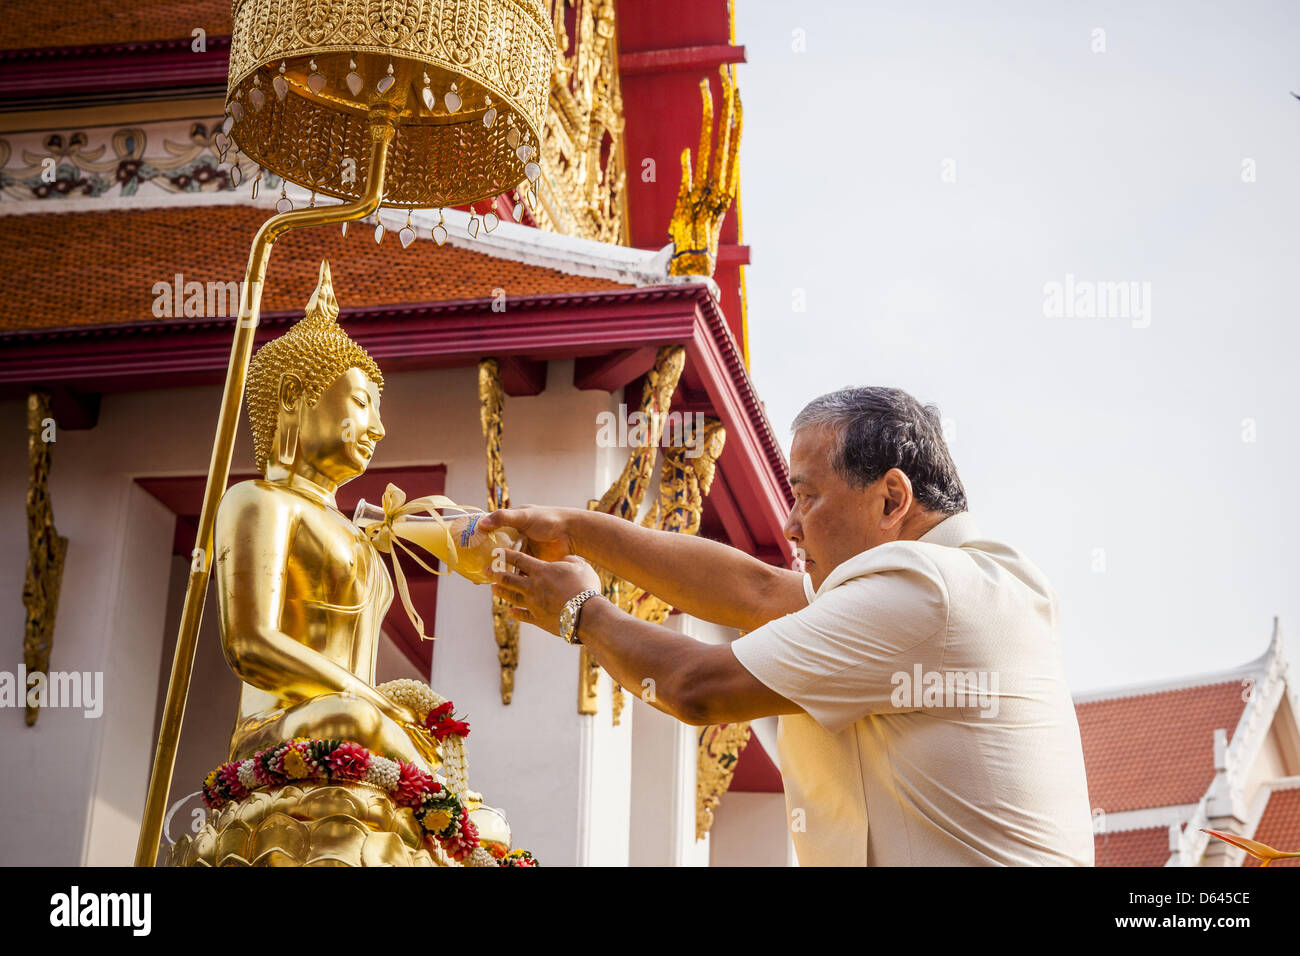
317	350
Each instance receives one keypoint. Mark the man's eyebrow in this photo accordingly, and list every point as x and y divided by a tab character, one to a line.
798	480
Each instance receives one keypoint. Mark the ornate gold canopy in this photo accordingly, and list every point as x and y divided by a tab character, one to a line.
467	80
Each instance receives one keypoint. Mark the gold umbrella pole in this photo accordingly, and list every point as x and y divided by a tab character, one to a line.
383	119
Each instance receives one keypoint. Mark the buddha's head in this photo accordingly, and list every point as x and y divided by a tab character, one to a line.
313	396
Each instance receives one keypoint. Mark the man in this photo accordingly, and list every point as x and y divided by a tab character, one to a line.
916	666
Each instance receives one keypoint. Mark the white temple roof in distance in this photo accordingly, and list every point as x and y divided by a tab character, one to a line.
1254	668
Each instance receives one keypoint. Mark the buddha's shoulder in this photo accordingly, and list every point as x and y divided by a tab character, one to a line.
258	494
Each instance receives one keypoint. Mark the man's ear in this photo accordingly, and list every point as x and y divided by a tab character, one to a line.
897	489
291	391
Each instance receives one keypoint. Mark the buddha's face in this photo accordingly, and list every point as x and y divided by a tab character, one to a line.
336	436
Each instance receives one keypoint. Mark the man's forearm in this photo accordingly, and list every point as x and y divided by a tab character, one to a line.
695	682
649	660
703	578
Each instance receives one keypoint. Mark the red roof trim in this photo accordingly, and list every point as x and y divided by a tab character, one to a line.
37	74
740	402
679	58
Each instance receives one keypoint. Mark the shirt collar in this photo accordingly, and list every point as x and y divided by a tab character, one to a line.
953	531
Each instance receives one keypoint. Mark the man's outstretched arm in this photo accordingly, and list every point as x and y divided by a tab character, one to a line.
695	682
706	579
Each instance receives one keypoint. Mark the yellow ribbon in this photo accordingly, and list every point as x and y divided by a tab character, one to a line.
384	536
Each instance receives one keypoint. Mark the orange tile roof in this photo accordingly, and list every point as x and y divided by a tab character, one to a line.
1147	847
1155	750
95	268
1279	826
38	23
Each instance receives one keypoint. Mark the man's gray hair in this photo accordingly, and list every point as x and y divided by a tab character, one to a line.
877	429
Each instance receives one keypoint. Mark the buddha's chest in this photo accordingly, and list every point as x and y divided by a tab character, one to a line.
332	565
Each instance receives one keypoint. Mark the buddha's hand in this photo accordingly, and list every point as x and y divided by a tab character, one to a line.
538	590
544	529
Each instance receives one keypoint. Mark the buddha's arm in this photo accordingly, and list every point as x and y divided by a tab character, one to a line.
253	533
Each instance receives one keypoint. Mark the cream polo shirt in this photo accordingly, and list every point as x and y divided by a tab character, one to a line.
899	760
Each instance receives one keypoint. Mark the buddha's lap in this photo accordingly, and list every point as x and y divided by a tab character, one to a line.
337	716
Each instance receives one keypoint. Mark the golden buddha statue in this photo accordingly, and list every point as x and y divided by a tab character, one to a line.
324	767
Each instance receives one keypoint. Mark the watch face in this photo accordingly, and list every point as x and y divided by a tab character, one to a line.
566	620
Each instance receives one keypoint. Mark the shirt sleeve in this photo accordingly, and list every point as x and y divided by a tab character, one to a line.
838	657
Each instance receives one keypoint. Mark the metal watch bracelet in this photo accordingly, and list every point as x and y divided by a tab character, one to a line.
575	603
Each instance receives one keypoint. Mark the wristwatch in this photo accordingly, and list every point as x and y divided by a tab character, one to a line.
569	615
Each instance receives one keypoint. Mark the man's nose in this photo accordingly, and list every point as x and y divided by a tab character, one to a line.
792	530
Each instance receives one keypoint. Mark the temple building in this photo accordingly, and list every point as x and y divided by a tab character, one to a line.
523	341
519	340
1219	750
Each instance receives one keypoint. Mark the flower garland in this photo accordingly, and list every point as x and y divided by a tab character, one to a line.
518	858
435	714
440	811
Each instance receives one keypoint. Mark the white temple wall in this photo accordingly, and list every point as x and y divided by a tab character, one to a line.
1268	765
111	609
663	790
665	774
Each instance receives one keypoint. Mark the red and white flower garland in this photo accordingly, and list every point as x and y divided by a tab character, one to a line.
439	809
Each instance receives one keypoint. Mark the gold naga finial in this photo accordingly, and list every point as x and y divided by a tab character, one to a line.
703	199
1260	851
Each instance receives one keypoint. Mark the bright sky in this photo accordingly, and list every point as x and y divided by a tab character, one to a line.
1146	461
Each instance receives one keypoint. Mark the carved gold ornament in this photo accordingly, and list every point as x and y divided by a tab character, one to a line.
684	480
719	753
706	194
45	549
468	80
583	191
492	397
685	477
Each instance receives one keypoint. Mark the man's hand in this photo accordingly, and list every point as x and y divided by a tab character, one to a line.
547	536
707	579
538	590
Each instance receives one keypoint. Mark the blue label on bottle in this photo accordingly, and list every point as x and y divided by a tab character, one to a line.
469	531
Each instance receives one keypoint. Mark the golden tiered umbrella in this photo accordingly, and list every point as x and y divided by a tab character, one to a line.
406	103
